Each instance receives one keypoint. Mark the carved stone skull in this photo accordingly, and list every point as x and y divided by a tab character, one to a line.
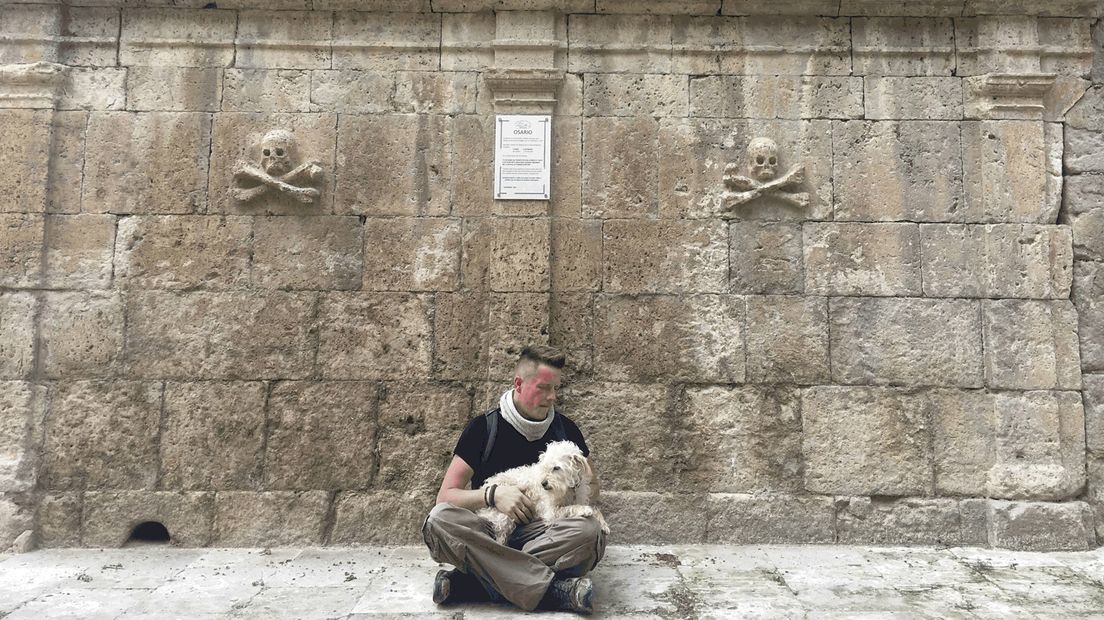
276	148
762	156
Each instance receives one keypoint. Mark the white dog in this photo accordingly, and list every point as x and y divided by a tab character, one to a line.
558	483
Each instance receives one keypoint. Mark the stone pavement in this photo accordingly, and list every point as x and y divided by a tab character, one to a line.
692	581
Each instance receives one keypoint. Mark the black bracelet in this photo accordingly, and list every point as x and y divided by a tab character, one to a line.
493	487
486	502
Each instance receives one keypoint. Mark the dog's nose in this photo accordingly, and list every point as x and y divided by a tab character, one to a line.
544	483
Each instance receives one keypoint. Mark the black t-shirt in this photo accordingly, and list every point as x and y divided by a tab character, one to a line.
510	450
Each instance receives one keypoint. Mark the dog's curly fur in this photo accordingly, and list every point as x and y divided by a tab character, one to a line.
558	483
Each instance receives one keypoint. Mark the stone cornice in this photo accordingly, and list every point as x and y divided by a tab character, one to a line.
34	85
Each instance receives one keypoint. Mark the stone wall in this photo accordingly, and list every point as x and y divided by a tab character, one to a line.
893	335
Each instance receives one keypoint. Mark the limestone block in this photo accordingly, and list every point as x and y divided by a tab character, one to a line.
283	39
92	36
212	437
907	341
237	138
17	335
619	44
269	519
862	259
1005	172
266	90
93	89
16	518
865	441
1088	296
478	335
567	6
79	251
59	520
184	252
401	163
996	260
576	261
109	517
926	98
776	96
746	439
1094	414
66	169
1041	526
408	6
512	26
908	521
81	334
1031	345
421	92
380	518
174	88
352	91
694	153
610	94
760	45
1088	112
506	254
1083	209
616	182
22	409
201	335
757	519
933	8
24	160
626	418
571	329
649	518
418	428
149	162
515	320
21	239
37	24
465	39
1084	151
102	435
411	254
696	338
904	45
765	258
664	256
320	435
322	252
387	41
177	37
374	336
787	339
897	170
780	7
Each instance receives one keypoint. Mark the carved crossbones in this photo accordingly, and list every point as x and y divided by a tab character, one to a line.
762	166
275	171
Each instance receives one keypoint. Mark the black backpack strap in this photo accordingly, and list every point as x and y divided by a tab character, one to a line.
559	431
492	417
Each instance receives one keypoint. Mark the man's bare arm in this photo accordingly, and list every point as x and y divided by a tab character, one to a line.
454	488
594	486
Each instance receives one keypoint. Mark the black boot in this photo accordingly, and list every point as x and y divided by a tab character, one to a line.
453	586
574	594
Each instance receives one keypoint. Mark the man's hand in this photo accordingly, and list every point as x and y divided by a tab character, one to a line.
511	502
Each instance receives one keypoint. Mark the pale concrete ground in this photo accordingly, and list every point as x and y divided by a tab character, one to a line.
632	582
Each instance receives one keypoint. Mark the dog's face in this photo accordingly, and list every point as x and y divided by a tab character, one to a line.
562	470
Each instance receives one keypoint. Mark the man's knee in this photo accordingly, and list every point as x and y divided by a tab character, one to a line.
582	530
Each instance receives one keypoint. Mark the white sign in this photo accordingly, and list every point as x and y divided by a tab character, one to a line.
523	157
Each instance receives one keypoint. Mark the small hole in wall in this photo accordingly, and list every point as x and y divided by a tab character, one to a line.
148	533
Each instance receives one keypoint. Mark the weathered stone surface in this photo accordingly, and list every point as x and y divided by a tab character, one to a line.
79	251
177	37
1088	112
184	252
924	98
646	517
22	408
757	519
66	169
765	258
776	96
394	165
506	254
380	518
237	137
691	337
353	91
1094	414
102	435
58	518
81	335
1031	345
418	428
906	341
320	252
37	24
1009	44
897	170
1039	526
421	92
478	335
109	517
750	45
321	435
515	320
910	521
1084	151
17	336
203	335
903	45
16	518
374	336
787	339
862	259
94	33
269	519
611	94
647	256
865	441
782	7
1083	210
571	329
266	90
627	418
619	183
387	42
411	254
174	88
1088	296
996	260
283	39
21	239
619	43
93	89
1005	172
148	162
24	158
463	38
213	435
576	257
746	439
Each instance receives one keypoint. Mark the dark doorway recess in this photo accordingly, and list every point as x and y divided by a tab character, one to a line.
149	532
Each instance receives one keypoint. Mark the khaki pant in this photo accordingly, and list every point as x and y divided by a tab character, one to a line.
521	570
